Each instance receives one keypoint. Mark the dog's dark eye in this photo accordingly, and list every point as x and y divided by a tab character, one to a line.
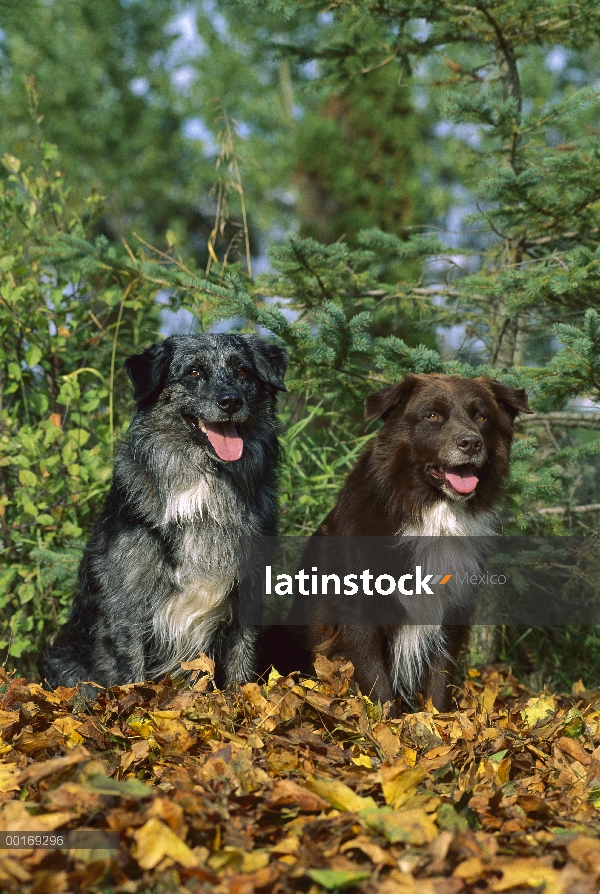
480	418
433	417
194	373
242	372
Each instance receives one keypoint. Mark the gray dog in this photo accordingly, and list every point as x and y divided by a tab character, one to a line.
194	479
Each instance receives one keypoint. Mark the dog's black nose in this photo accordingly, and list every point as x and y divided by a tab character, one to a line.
229	402
469	444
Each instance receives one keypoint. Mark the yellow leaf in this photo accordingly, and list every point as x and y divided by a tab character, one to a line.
68	726
155	840
254	860
538	709
409	826
273	677
525	872
289	845
339	795
141	726
470	870
410	756
8	777
363	760
489	695
252	694
399	783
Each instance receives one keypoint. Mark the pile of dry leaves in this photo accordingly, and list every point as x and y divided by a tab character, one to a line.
301	786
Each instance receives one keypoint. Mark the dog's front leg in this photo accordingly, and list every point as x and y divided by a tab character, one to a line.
363	647
239	658
440	675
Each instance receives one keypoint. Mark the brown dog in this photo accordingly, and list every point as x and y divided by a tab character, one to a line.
437	467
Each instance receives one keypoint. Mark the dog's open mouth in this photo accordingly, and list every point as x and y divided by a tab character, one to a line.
223	438
462	479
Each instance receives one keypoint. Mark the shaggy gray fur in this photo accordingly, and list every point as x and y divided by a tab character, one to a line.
159	580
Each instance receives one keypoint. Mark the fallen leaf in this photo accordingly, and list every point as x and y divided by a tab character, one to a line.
524	872
574	749
333	879
409	826
367	846
286	791
489	695
127	788
34	772
202	663
336	675
538	710
399	783
31	743
387	741
68	726
470	870
9	774
339	795
155	840
140	750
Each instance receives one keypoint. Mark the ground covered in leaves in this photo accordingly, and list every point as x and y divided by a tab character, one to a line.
302	786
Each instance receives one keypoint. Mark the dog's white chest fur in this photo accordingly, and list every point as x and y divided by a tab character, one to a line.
205	572
450	520
447	537
187	504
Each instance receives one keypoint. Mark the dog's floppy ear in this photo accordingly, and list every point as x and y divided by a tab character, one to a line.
148	371
513	400
383	402
270	360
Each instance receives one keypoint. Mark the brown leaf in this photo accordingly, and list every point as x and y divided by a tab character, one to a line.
169	812
9	724
34	772
202	663
140	749
72	796
286	791
575	750
31	743
336	675
586	853
366	845
252	693
14	817
387	741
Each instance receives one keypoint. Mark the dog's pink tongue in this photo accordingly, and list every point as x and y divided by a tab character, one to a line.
462	479
225	440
